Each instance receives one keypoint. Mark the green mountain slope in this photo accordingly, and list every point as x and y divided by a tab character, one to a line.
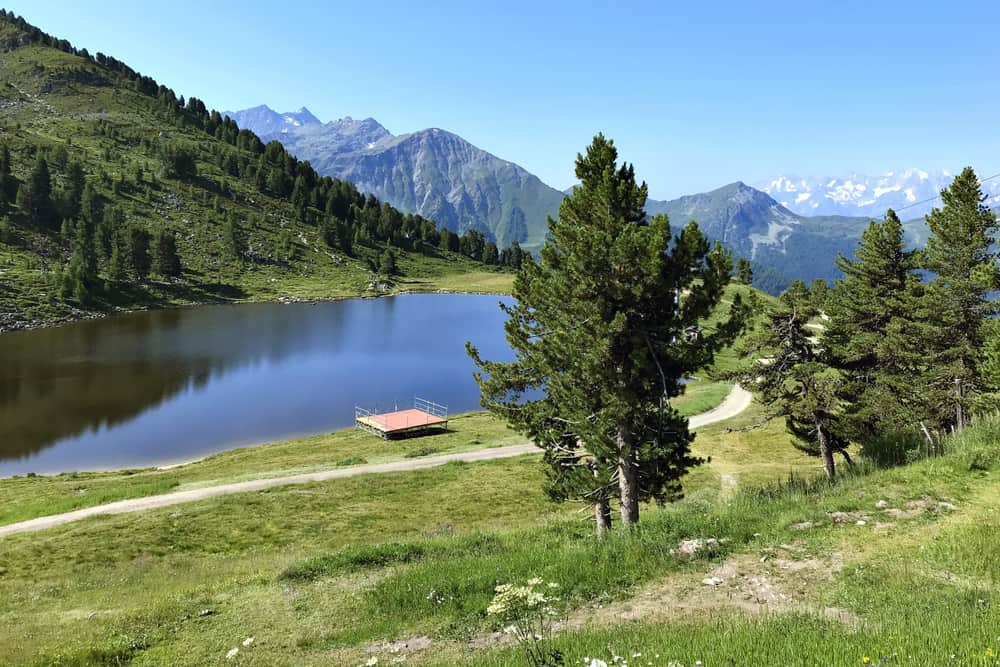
783	245
249	221
432	172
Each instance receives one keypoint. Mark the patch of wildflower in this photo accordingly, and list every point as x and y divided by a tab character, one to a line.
636	659
525	612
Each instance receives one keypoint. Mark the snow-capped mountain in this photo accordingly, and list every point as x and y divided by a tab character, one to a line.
859	195
271	123
432	172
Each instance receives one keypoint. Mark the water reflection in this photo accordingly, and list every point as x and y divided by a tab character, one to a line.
171	385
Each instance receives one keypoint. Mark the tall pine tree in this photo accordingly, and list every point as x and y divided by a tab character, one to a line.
791	373
962	257
37	195
871	334
598	329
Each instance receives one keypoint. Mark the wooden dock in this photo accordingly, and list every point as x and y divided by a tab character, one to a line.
422	416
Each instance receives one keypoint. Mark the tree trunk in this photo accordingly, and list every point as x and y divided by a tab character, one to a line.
602	517
628	482
847	457
825	452
959	412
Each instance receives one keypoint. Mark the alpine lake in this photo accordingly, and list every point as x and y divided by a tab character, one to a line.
166	386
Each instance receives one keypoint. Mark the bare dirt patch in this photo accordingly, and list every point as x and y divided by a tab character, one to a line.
774	581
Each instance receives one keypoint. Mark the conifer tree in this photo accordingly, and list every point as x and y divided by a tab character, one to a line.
118	262
73	195
387	262
961	256
871	333
168	262
37	195
80	280
6	180
516	255
791	374
490	253
138	249
597	328
819	290
232	237
744	274
5	162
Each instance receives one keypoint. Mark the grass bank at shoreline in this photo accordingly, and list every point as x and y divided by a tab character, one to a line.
28	497
423	276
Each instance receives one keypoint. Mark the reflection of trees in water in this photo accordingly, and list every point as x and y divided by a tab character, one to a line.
65	381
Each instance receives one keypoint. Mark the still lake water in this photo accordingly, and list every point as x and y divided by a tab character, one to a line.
166	386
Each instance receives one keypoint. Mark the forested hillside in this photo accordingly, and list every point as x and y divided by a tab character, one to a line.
117	192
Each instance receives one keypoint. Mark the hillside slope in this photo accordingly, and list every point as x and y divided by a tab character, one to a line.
126	158
783	245
432	172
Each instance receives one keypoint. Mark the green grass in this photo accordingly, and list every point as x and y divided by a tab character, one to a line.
28	497
701	396
317	573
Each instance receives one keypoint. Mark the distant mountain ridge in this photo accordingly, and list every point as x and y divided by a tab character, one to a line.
432	172
779	241
906	190
443	177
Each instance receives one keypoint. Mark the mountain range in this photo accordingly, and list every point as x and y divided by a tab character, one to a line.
911	192
432	172
790	227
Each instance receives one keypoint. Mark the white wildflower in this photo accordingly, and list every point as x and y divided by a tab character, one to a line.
371	662
232	653
248	641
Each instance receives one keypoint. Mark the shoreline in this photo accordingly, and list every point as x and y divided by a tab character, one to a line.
85	315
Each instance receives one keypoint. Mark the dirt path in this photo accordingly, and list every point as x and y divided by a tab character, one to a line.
736	402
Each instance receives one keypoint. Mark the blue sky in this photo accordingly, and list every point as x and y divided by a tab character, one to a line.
696	94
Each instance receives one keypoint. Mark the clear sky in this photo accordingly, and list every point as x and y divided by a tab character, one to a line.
696	94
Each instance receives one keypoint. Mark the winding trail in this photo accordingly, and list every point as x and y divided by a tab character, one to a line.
735	402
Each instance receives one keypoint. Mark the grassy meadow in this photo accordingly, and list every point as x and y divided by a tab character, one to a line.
296	566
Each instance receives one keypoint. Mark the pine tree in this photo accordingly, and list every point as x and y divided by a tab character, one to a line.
232	237
80	280
300	196
744	274
597	328
284	245
7	181
819	290
37	195
961	256
490	253
118	262
387	262
138	250
168	262
871	329
72	196
516	255
791	374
